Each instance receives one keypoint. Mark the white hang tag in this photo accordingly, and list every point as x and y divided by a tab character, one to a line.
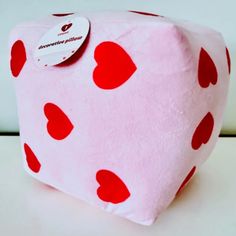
62	41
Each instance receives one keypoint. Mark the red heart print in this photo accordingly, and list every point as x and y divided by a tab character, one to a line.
114	67
31	159
66	27
112	188
203	131
187	179
144	13
59	126
18	57
62	14
207	72
228	60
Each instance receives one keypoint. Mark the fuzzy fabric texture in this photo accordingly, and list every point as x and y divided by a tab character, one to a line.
127	121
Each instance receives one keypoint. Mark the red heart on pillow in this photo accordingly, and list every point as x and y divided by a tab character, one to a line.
114	67
203	131
62	14
18	57
59	125
228	60
207	72
112	188
31	159
145	13
186	180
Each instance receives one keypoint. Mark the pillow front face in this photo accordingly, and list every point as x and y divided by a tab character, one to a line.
127	120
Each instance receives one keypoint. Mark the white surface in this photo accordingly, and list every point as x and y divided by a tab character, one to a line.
207	206
219	14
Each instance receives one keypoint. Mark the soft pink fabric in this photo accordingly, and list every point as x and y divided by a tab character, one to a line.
124	135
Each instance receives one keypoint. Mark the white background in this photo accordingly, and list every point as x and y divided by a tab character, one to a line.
219	14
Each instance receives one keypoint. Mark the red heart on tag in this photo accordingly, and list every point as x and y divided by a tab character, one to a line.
66	27
203	131
112	188
59	126
114	67
207	72
18	57
31	159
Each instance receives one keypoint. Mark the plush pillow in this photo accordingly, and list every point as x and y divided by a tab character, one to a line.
127	120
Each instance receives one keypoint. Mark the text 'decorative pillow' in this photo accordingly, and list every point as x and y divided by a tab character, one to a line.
119	109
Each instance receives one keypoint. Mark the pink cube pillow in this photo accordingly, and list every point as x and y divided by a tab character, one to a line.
126	121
